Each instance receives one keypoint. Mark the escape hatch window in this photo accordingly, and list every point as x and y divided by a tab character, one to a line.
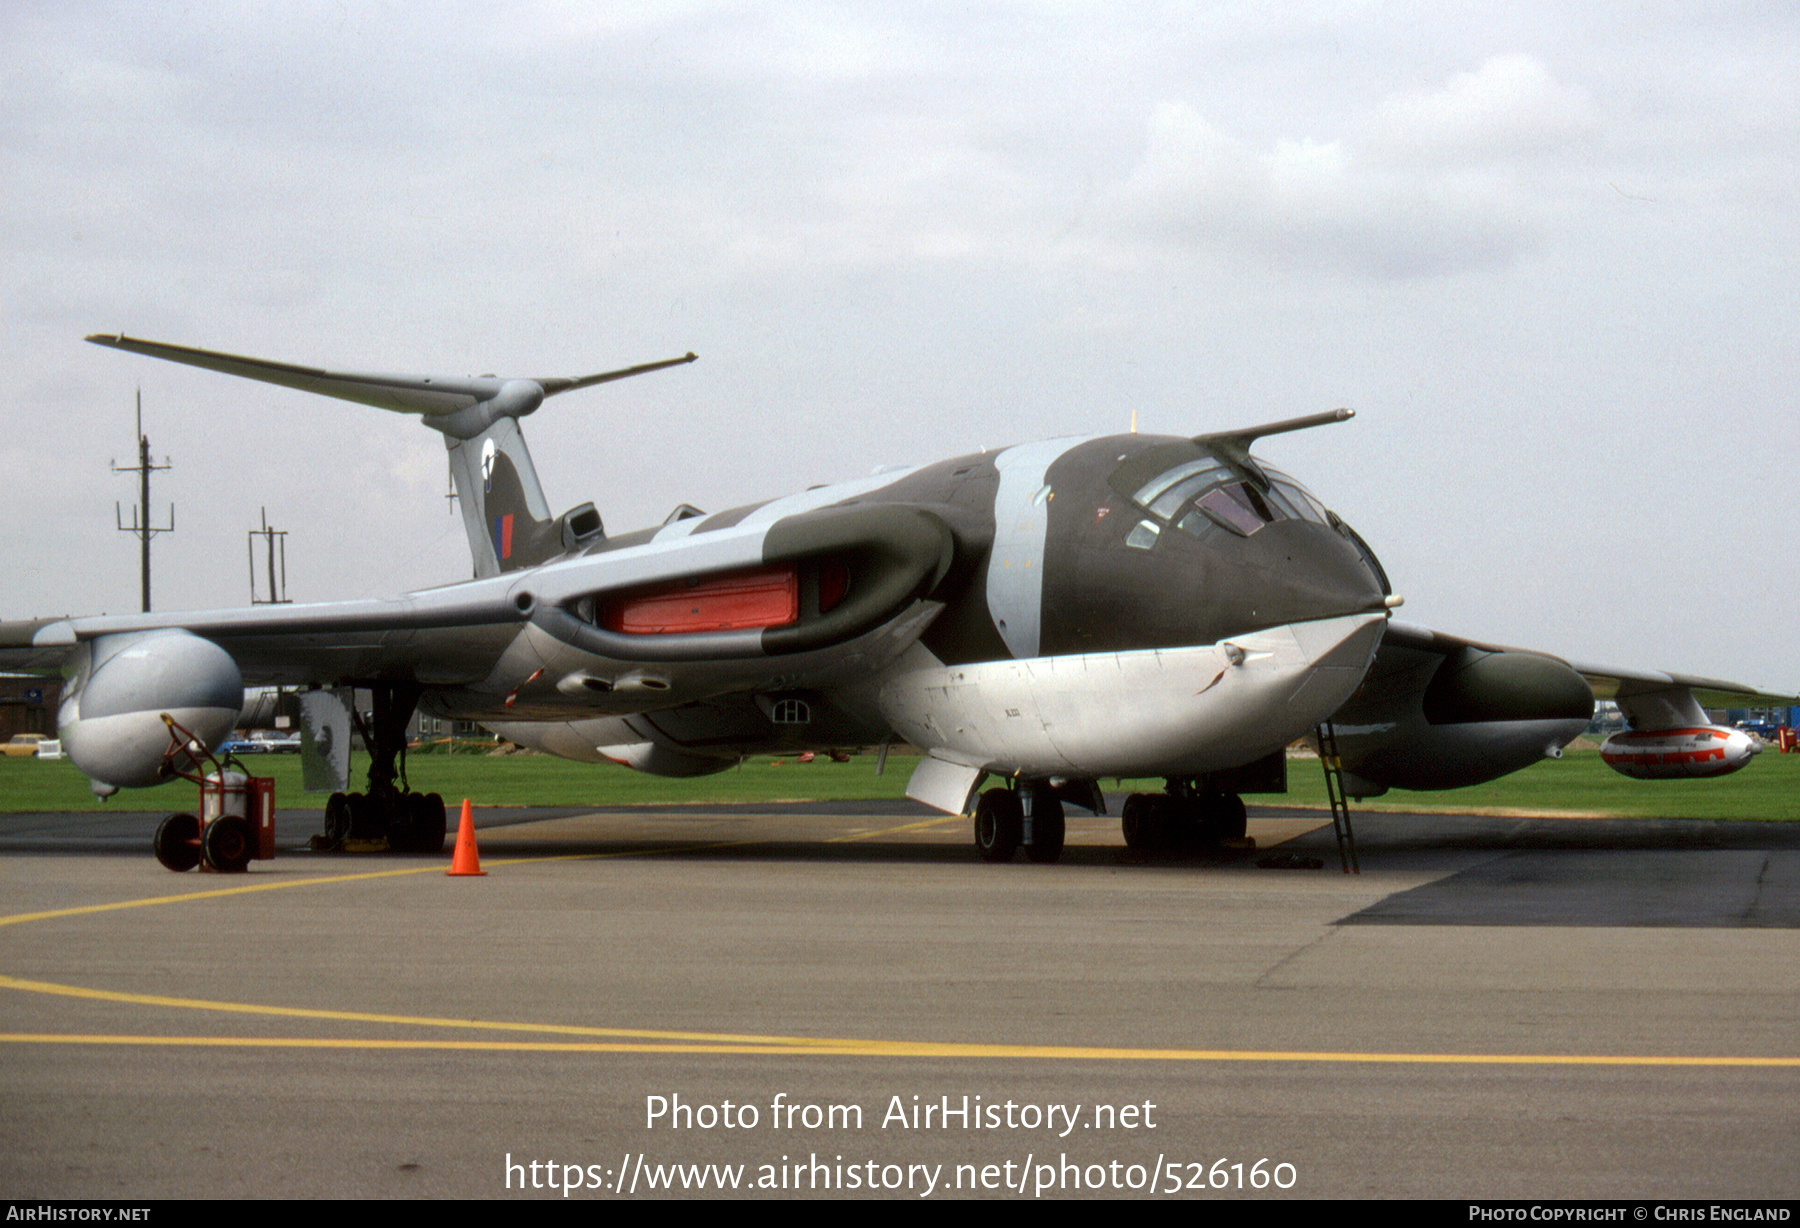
1226	505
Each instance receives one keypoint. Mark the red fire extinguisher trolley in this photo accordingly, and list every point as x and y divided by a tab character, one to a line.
236	822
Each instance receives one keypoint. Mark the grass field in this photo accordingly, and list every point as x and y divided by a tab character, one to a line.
1579	783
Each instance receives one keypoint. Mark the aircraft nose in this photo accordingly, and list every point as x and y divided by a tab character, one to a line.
1294	571
1212	569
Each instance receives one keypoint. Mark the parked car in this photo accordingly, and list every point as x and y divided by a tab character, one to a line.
22	746
277	743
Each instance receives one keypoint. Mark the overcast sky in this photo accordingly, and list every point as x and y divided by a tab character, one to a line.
1550	257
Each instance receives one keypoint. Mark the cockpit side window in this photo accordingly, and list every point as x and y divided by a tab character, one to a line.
1295	498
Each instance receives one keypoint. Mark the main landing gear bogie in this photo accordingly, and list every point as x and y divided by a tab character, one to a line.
390	815
1163	822
406	822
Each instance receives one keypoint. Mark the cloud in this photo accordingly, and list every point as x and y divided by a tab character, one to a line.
1424	184
1509	109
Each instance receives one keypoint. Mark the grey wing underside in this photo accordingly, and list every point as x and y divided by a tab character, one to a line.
31	646
1607	682
452	637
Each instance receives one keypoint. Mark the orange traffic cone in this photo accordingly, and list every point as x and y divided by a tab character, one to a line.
466	861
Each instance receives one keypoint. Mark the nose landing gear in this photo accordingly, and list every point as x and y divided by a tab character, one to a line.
1004	824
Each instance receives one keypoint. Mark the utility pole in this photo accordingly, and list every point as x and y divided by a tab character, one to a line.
140	515
274	541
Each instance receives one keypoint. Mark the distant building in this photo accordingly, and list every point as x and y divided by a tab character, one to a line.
28	705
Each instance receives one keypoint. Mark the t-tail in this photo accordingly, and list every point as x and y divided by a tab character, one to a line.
504	510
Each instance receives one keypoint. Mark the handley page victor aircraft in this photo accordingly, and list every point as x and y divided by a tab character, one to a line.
1050	614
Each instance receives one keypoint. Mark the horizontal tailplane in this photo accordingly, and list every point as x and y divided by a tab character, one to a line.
504	510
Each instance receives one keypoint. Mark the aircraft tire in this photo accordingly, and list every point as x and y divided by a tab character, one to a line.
1175	822
999	825
337	819
177	842
366	820
1047	827
435	824
226	843
1140	822
401	821
1226	818
370	819
418	824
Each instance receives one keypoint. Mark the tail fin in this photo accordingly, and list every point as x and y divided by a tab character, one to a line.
503	506
504	510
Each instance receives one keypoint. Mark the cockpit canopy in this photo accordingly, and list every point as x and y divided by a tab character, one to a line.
1199	492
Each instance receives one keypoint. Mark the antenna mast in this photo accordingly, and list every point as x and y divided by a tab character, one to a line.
274	543
140	514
